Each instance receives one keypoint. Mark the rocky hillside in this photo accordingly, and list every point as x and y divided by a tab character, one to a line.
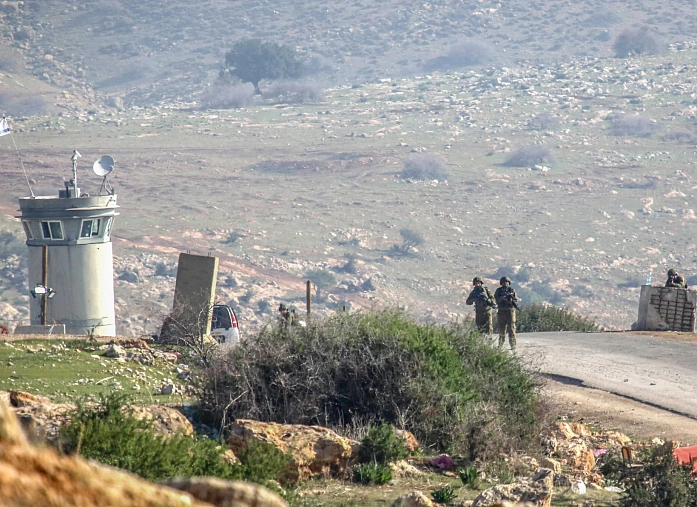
144	52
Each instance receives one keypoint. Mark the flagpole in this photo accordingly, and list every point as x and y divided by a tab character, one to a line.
6	129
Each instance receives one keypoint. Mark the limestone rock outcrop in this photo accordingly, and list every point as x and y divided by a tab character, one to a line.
537	491
314	450
227	493
415	499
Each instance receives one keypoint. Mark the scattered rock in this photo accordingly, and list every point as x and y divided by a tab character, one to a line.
415	499
410	442
114	351
552	464
226	493
167	389
165	420
538	493
405	469
315	451
22	399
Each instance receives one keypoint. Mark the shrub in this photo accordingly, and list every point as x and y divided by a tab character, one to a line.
349	267
469	477
636	41
321	279
261	462
294	92
410	239
632	125
444	382
546	292
551	318
681	137
464	54
659	482
107	432
444	495
424	167
544	121
228	96
372	473
527	156
382	446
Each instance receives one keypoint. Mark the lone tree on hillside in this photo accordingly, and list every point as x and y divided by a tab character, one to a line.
252	60
321	279
410	239
637	41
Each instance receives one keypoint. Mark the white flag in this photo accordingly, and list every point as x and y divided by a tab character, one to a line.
4	127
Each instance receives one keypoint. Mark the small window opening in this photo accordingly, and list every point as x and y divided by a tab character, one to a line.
52	230
27	229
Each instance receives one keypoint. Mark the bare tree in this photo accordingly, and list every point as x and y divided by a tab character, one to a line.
188	326
410	239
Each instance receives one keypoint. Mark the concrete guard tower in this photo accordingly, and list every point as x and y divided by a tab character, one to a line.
70	257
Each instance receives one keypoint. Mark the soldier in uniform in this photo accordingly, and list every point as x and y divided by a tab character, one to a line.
286	317
483	302
508	303
675	280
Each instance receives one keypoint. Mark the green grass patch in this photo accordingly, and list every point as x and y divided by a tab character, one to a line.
67	369
552	318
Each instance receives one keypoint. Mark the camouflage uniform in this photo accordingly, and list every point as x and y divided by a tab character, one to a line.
286	317
483	302
675	280
508	302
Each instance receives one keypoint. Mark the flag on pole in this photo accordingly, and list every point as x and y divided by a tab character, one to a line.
4	127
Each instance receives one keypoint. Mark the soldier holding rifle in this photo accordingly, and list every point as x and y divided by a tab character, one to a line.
508	304
483	302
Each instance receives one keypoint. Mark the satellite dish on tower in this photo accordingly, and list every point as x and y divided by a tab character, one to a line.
102	167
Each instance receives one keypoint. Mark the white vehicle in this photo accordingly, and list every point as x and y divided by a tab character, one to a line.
224	327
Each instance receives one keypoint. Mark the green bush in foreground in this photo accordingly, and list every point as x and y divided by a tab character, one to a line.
551	318
661	481
372	473
445	383
107	432
382	446
444	495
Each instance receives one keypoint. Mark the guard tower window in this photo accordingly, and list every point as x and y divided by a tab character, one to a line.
90	228
27	229
52	230
107	227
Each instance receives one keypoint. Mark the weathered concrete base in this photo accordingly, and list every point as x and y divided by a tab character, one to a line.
666	309
39	329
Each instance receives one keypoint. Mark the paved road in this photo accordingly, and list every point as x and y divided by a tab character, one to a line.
658	371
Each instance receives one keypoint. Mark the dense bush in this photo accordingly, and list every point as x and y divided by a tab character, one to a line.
659	482
424	167
527	156
381	445
444	383
372	473
551	318
636	41
632	125
107	432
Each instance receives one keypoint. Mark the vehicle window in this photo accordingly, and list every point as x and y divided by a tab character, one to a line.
221	318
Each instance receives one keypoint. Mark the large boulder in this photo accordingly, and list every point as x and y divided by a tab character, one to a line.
225	493
314	450
44	419
39	476
537	491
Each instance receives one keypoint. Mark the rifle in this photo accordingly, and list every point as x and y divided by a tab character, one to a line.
509	297
485	300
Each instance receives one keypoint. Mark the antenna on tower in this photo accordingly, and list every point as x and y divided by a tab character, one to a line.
102	167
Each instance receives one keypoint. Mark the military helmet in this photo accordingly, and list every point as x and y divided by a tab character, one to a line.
477	279
504	279
672	272
282	307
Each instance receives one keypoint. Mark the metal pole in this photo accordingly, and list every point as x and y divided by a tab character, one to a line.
44	282
308	299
